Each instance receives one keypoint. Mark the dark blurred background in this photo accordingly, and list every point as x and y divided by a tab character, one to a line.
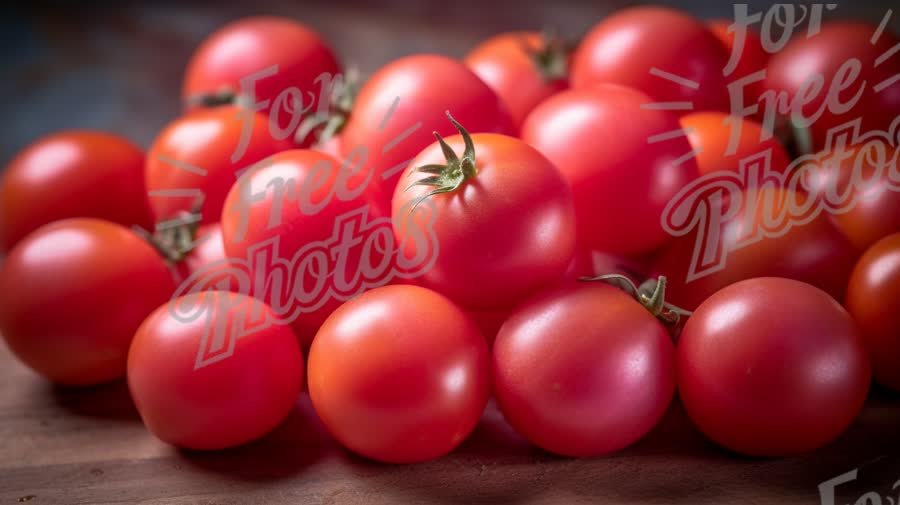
117	65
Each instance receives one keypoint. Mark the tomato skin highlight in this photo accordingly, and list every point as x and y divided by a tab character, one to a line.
399	374
583	370
625	46
226	403
517	211
772	367
73	293
710	133
873	299
598	139
74	173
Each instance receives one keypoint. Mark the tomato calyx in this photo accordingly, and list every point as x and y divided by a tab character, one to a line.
225	96
451	176
340	104
551	57
796	138
651	295
177	239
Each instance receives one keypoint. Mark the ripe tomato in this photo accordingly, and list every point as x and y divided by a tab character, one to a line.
209	250
197	152
77	173
873	299
489	322
710	133
523	68
601	139
501	214
583	370
227	402
73	293
753	58
399	374
630	46
793	69
249	46
772	367
392	135
815	252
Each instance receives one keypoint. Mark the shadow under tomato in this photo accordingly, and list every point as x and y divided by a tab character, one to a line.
110	401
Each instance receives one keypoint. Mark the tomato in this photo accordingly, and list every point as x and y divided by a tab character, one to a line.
595	263
72	294
772	367
399	374
391	136
599	139
199	152
291	201
209	249
815	252
523	68
583	370
228	401
820	57
631	45
873	299
489	322
502	217
710	133
753	58
246	49
76	173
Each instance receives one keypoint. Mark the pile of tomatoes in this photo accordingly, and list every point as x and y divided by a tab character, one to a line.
510	205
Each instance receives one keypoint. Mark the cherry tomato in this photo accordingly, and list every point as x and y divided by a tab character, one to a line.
632	47
209	250
77	173
501	213
772	367
201	151
391	136
219	403
489	322
523	68
601	141
246	49
72	294
753	58
873	299
399	374
583	370
711	133
805	60
815	252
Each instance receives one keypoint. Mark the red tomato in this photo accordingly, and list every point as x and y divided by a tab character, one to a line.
523	68
278	202
501	214
489	322
392	136
629	46
772	367
815	252
73	293
227	402
753	57
399	374
209	251
198	152
873	299
600	141
76	173
583	370
711	133
249	46
794	68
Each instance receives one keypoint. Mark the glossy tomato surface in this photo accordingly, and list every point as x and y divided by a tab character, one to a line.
72	295
583	370
502	235
772	367
238	396
399	374
600	140
203	151
873	299
724	141
77	173
631	46
521	68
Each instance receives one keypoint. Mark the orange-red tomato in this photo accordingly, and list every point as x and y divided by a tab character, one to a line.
711	133
228	401
72	295
77	173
